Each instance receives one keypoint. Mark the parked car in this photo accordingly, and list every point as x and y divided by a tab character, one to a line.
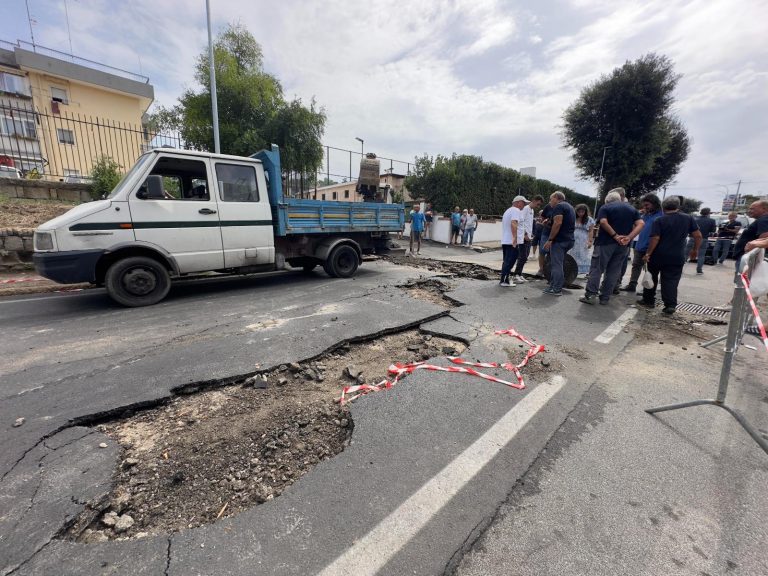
77	180
723	219
9	172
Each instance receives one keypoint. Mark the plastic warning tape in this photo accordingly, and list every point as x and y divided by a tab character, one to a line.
25	279
760	325
398	370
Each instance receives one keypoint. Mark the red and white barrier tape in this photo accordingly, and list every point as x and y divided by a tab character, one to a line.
760	325
398	370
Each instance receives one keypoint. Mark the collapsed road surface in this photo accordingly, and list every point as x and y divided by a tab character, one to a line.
426	467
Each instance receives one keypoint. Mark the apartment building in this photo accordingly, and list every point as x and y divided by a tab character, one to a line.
60	112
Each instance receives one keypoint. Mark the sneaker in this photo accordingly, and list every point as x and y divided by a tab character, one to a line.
629	288
616	291
519	279
551	292
604	301
587	299
668	310
506	284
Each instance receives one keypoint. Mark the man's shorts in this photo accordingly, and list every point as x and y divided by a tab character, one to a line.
543	240
416	235
456	229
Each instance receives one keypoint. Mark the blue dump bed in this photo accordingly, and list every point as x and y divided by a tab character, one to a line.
299	216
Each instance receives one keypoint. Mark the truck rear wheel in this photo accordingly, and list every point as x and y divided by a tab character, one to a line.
343	261
137	281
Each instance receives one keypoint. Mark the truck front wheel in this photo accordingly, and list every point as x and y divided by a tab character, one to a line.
343	261
137	281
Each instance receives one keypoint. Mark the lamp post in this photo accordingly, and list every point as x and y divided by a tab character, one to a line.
214	102
362	146
600	179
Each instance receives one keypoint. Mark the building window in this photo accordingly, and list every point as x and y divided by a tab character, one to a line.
335	196
13	84
65	136
59	95
346	193
13	126
323	196
71	172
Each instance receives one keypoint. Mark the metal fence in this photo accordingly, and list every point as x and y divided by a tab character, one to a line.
56	144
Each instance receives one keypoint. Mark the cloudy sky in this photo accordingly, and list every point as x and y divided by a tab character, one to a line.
485	77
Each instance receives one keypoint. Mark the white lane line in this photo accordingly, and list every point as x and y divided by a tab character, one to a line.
371	552
616	326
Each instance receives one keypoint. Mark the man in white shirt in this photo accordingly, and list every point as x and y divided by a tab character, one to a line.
512	236
525	249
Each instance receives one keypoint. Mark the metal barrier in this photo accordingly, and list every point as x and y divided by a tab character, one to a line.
741	317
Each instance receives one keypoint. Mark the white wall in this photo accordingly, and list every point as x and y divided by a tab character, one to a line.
487	231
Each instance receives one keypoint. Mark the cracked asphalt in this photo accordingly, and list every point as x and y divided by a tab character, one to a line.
75	359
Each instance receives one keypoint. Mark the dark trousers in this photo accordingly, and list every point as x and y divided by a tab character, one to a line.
669	275
510	255
556	259
523	251
637	268
607	261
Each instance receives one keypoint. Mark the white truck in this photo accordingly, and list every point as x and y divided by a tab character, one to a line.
178	213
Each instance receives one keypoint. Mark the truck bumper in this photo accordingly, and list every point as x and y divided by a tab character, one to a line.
69	267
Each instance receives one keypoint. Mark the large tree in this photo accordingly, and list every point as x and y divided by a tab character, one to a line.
628	116
253	112
471	182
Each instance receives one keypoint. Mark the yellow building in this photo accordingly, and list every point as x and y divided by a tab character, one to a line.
82	109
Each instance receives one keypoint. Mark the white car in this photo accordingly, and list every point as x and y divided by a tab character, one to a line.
9	172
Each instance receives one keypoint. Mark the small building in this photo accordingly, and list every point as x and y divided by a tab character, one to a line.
81	109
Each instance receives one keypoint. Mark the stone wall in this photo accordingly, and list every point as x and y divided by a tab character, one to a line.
44	190
15	249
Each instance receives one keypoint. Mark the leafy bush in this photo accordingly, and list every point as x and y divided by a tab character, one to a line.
104	176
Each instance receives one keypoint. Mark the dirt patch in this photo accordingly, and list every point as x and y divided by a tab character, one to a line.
541	364
432	290
216	453
451	269
20	213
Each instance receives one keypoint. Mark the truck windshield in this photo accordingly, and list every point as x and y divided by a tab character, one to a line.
128	175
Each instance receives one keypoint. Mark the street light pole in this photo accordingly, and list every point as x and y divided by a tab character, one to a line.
600	179
362	146
214	102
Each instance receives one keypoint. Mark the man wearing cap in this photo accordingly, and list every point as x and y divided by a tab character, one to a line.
524	250
619	223
512	237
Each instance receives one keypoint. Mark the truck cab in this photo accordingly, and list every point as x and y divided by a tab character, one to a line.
179	212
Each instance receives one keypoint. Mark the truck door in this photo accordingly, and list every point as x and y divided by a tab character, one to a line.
245	214
182	217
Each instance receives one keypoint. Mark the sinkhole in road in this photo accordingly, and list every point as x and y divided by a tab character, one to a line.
218	452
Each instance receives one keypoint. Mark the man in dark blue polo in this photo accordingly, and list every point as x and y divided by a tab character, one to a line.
559	241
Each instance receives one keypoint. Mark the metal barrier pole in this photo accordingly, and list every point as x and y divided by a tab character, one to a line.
740	316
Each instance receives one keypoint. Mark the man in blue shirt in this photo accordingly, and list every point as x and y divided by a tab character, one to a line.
455	225
619	224
651	211
417	227
559	241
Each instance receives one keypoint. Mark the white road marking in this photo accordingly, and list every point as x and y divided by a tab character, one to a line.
616	326
371	552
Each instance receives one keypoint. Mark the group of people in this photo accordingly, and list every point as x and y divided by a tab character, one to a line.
463	226
658	232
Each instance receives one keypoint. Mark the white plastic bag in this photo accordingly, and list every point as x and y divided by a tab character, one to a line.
758	283
647	279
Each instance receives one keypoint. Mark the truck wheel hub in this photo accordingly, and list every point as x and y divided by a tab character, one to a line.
139	281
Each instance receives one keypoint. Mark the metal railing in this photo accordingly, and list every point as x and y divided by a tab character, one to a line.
56	145
741	318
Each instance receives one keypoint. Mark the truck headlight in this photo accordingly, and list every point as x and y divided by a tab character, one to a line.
43	241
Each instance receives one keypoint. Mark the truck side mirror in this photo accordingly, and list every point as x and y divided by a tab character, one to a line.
152	189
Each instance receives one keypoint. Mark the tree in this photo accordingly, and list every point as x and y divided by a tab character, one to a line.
253	112
689	205
628	115
105	175
470	182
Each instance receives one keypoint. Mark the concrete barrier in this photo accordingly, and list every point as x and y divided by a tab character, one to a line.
44	190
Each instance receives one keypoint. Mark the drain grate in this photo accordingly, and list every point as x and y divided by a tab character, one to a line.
700	309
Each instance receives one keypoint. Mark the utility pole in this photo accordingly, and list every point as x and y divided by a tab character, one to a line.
31	32
214	102
736	204
600	179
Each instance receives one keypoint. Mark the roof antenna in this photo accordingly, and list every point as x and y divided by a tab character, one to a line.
31	32
69	31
